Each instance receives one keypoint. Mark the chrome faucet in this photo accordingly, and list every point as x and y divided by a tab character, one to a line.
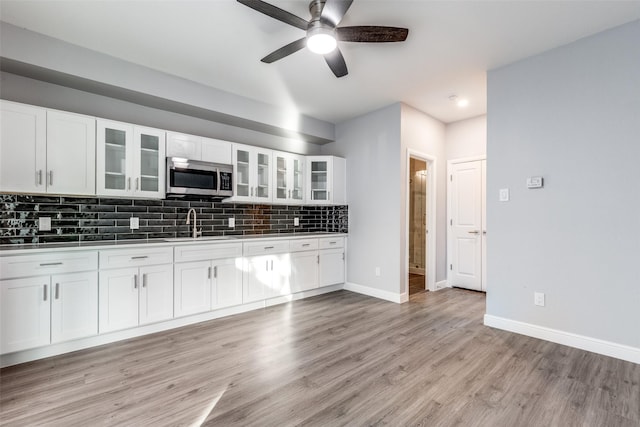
196	233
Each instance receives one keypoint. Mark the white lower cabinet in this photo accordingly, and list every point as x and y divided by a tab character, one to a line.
304	260
43	310
331	261
207	277
135	296
266	271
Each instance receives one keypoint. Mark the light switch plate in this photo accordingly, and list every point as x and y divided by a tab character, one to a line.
44	223
504	195
134	223
232	222
535	182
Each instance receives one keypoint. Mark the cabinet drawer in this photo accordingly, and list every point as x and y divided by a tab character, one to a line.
119	258
266	247
49	263
331	242
303	245
208	251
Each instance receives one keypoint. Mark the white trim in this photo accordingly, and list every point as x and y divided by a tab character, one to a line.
432	169
377	293
66	347
607	348
450	163
442	284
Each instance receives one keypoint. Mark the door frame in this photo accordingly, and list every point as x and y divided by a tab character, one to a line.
430	200
450	164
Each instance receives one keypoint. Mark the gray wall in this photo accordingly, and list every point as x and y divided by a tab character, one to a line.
466	138
571	115
371	146
375	146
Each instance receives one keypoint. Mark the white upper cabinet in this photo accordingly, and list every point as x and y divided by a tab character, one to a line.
288	178
326	180
130	160
252	167
46	151
193	147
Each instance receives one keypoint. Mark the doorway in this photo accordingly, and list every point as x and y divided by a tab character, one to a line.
420	236
417	225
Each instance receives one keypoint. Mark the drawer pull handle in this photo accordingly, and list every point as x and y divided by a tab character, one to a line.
144	280
215	272
140	257
268	247
306	244
333	243
209	273
45	292
135	281
57	291
49	264
50	177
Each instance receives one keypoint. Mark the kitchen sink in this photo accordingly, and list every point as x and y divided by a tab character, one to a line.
198	239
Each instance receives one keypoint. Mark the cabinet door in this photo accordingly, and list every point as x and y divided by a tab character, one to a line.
304	271
114	158
118	299
22	148
319	180
156	293
24	313
149	163
192	287
185	146
296	180
281	177
262	170
71	153
257	280
243	180
74	306
331	267
226	284
216	151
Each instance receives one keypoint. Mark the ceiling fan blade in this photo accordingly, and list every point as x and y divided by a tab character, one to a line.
285	50
372	34
276	13
335	61
334	10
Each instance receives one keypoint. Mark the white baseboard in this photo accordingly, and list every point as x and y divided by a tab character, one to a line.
376	293
441	285
607	348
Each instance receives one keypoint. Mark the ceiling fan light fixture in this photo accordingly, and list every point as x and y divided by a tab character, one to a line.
321	40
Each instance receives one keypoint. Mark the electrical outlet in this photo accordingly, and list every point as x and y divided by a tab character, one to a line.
232	222
296	222
134	223
538	299
377	271
44	223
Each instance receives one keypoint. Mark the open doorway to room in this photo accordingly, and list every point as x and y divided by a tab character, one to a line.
420	234
417	225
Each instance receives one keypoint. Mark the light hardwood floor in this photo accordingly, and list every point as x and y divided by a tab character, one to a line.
336	359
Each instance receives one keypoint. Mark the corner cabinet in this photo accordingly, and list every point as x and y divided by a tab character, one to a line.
288	178
325	181
252	167
130	160
46	151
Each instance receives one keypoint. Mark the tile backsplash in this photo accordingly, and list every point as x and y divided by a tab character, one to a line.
84	219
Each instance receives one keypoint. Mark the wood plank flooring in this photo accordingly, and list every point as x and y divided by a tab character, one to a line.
332	360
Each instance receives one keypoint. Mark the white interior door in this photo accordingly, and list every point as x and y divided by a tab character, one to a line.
466	225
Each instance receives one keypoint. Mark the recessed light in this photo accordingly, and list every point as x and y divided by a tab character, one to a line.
463	103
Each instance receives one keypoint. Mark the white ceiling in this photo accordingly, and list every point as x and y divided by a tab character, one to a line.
219	43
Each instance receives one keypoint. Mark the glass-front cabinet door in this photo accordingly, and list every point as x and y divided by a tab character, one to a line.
319	180
149	172
252	170
280	180
297	179
113	158
129	160
288	178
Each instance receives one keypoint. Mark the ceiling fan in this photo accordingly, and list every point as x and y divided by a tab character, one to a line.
323	32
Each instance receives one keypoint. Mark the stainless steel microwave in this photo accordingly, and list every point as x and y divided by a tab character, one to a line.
197	178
